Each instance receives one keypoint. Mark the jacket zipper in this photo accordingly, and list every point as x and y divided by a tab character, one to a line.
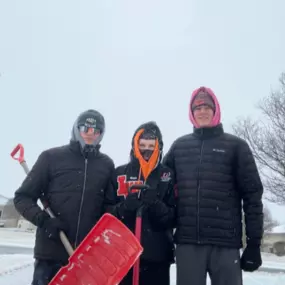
198	193
81	203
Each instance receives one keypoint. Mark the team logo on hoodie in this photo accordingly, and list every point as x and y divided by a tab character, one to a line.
165	177
124	185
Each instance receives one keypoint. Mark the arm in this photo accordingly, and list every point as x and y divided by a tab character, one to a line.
32	188
251	189
111	199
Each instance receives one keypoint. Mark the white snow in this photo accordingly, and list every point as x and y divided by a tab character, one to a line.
13	262
16	237
278	230
19	270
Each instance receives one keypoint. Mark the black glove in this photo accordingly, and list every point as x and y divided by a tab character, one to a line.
251	258
149	196
132	202
157	209
52	227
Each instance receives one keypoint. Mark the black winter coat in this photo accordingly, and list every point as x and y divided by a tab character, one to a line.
75	188
157	231
215	172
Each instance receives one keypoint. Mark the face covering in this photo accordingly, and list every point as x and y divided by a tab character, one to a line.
146	154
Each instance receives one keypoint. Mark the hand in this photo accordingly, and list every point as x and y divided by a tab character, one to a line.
52	227
132	202
157	209
251	259
149	196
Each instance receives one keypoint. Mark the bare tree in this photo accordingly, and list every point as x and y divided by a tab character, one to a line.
266	138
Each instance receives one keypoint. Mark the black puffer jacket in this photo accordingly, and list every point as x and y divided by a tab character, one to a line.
75	188
215	172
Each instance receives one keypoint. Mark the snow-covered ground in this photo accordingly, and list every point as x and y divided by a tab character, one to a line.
16	237
13	262
17	269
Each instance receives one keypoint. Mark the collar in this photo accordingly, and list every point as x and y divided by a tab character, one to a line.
76	148
208	132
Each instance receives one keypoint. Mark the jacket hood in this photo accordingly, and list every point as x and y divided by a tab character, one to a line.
153	127
135	156
217	116
98	120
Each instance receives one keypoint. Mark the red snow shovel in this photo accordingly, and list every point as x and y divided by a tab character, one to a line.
104	257
138	229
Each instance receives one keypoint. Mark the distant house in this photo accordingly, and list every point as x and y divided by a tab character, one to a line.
10	215
10	218
274	241
3	202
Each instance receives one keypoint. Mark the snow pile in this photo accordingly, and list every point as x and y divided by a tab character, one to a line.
14	237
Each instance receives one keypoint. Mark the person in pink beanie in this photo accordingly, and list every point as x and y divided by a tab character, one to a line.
216	177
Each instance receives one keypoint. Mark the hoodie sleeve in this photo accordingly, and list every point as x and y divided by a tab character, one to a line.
110	195
251	189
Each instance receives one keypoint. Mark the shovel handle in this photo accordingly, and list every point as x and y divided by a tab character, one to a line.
19	148
139	187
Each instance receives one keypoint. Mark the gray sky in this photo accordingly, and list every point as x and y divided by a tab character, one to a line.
132	60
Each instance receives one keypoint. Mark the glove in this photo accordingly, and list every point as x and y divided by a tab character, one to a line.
251	258
149	196
52	227
132	202
157	209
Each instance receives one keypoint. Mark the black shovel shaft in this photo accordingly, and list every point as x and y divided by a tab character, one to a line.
138	187
138	228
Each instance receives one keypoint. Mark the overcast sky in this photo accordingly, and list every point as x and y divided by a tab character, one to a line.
133	61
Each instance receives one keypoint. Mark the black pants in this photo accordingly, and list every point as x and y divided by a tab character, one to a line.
44	271
150	274
195	261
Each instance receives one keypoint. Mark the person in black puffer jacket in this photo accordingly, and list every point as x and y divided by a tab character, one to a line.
216	175
158	203
74	180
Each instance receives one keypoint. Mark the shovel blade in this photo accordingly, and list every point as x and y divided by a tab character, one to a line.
104	257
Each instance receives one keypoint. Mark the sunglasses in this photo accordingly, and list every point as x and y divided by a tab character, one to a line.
85	129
